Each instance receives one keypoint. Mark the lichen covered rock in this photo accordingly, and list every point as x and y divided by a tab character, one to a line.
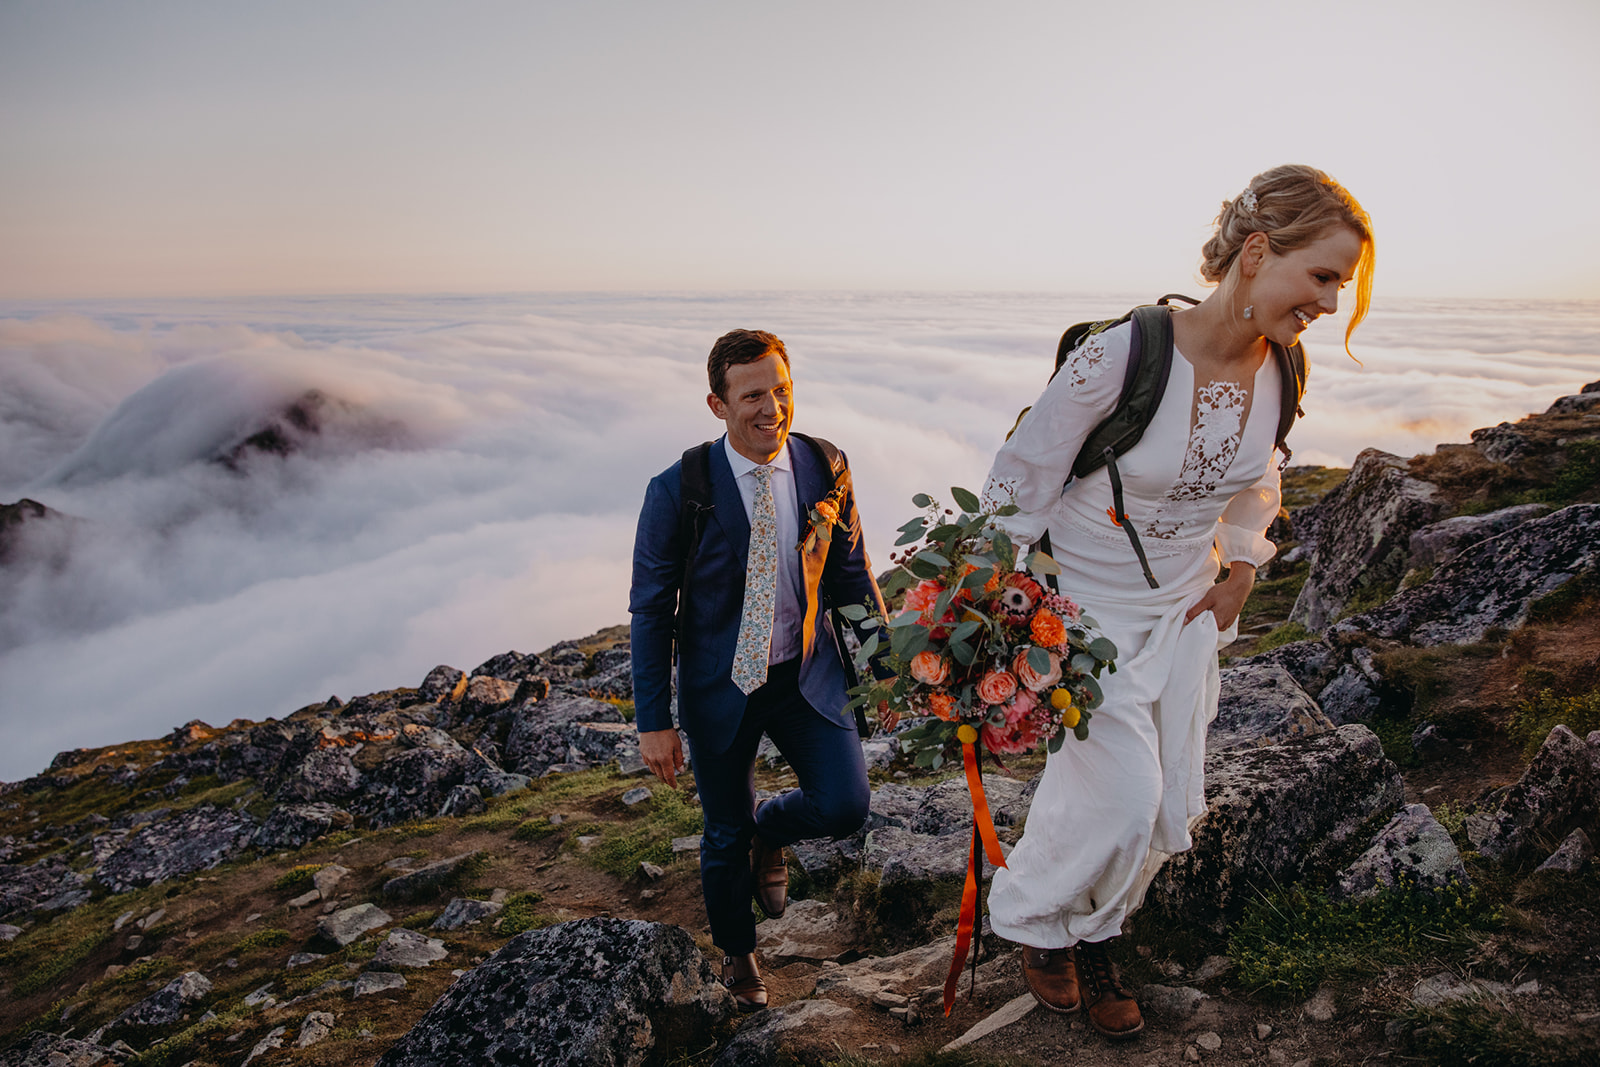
1414	851
1262	704
595	992
193	840
1560	789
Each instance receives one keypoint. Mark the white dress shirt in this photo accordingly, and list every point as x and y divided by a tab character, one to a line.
787	616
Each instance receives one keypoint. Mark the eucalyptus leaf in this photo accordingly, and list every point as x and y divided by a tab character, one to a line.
869	647
977	579
919	641
1102	648
910	537
900	579
929	556
1058	738
964	498
963	652
942	605
1081	731
922	568
919	524
1006	510
1039	659
965	629
853	612
905	618
1096	696
922	500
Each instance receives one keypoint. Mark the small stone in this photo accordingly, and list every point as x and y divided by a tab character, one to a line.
650	870
378	982
1263	1031
306	899
557	819
1210	1041
1570	858
681	845
343	927
649	894
327	878
9	932
300	959
1144	951
1320	1007
1191	1054
316	1026
122	920
886	999
260	996
155	917
1527	989
637	795
408	948
588	841
253	917
271	1041
1213	967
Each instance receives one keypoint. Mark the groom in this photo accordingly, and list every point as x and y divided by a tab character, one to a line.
779	542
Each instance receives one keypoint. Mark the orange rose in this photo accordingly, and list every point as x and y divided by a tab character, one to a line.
997	687
1031	678
1047	629
930	668
943	705
923	596
828	510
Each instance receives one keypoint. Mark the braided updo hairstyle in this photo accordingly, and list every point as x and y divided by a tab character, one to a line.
1293	205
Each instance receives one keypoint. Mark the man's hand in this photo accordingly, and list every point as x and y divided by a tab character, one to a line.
1226	599
663	754
888	718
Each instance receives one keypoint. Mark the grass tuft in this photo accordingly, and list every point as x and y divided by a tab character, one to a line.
297	878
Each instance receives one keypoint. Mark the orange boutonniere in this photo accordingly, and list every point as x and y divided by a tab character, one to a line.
823	516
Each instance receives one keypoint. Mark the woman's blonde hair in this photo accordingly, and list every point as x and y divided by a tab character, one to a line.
1293	205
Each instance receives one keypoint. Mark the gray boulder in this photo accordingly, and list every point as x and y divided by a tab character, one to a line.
543	733
425	881
163	1007
1501	443
325	774
1262	704
1576	404
294	825
463	800
441	683
48	885
408	948
1574	853
1492	584
462	911
1350	697
40	1049
788	1032
510	666
1310	663
808	930
1442	541
414	784
1413	851
1277	815
946	808
193	840
903	856
486	694
347	924
1558	791
370	982
595	992
1364	534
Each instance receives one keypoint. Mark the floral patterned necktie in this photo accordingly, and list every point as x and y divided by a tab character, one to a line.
760	590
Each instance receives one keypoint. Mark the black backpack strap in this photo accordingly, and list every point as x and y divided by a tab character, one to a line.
693	507
1292	369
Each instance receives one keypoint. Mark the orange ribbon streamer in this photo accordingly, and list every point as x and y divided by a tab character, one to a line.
982	830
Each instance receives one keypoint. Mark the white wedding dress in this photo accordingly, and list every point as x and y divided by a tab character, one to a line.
1201	487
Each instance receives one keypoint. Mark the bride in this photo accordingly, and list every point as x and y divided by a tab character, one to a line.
1200	488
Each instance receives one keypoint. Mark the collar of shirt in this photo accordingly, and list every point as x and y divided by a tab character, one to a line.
743	465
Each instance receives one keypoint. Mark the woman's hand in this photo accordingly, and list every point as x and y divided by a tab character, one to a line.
1226	599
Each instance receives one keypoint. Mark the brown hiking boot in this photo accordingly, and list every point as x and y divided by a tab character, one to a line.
742	978
1052	978
1111	1010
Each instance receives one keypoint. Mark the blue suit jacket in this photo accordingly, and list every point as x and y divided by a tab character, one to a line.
710	706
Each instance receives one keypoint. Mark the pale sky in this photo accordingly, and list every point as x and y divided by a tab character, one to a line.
202	148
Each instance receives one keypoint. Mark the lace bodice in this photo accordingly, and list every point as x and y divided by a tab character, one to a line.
1202	470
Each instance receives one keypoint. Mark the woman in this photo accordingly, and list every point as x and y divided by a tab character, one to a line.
1201	486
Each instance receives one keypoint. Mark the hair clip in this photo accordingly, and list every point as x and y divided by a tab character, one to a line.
1247	201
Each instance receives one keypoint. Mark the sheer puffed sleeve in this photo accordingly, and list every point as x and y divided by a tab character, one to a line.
1034	464
1243	523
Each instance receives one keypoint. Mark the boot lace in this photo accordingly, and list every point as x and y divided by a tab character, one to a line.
1094	964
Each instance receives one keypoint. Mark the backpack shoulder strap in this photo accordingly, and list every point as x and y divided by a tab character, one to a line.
829	453
1143	386
1292	369
694	504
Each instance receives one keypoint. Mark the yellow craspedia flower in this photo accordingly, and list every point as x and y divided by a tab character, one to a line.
966	734
1061	699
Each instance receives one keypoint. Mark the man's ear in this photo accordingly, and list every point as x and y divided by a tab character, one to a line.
718	407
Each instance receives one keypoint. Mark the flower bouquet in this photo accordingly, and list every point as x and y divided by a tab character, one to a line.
981	651
984	655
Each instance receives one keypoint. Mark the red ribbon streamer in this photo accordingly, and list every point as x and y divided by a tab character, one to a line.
982	829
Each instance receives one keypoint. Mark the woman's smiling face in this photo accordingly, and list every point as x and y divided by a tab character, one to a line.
1290	291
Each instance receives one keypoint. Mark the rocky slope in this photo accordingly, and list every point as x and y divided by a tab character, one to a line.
475	869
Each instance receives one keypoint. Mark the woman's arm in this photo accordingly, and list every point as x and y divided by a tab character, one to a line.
1242	546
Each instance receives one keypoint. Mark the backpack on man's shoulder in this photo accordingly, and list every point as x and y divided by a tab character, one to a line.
1143	385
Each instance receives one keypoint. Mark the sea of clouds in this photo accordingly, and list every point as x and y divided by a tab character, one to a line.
476	486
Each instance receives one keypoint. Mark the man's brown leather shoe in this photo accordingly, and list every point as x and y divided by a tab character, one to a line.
749	992
1052	978
1111	1010
771	876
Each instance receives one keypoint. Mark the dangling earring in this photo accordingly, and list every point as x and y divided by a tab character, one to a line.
1249	311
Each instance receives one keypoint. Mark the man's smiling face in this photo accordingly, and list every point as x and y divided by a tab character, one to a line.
759	408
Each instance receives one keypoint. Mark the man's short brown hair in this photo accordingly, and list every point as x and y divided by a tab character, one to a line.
740	346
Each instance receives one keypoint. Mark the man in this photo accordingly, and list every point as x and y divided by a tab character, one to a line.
755	652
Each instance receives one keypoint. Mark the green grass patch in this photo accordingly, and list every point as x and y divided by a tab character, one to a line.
1289	941
1426	678
180	1047
1307	485
1365	600
1479	1031
1569	600
536	830
519	915
406	831
1579	476
622	847
1286	634
297	878
421	919
1533	719
271	937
